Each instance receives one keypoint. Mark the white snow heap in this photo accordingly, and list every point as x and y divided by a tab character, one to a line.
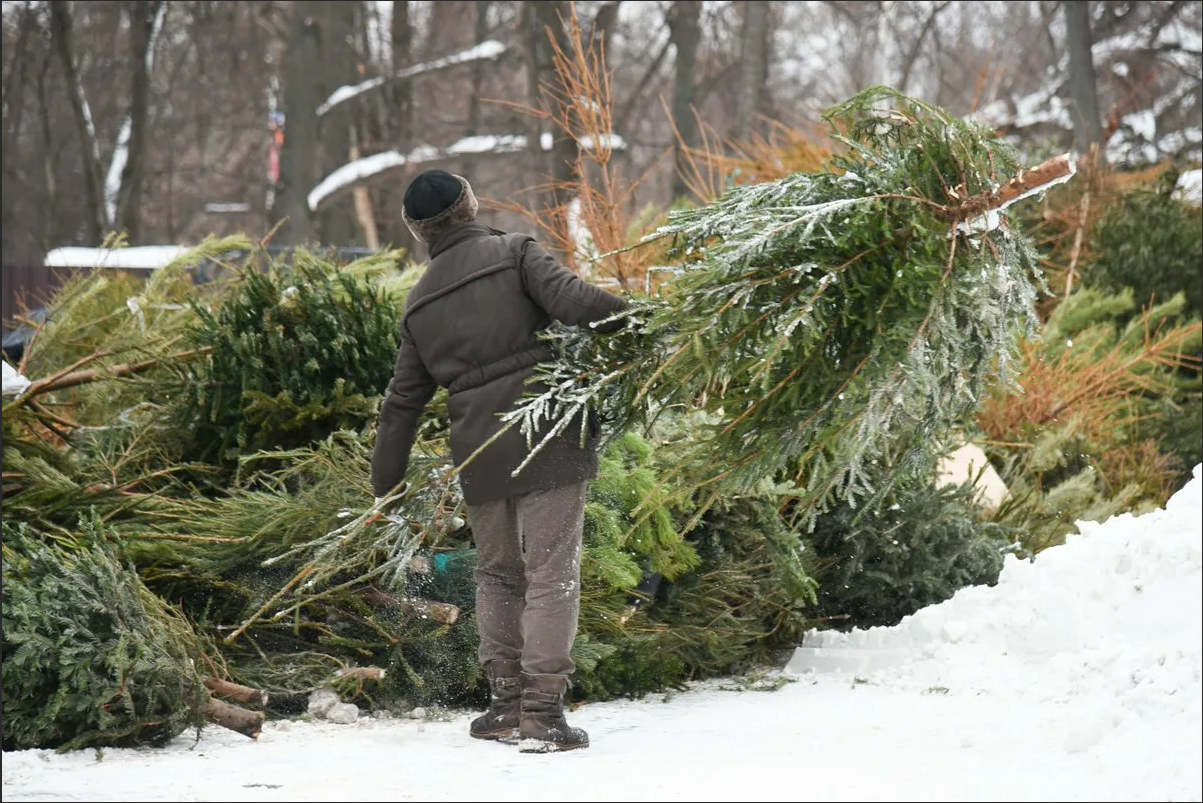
1126	594
488	50
14	383
1115	614
364	168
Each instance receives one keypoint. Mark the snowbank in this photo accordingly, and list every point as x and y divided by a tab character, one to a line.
1107	628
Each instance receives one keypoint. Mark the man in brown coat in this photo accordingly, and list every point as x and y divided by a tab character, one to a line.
471	325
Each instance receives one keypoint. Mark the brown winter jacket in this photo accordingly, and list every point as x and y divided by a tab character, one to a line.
470	325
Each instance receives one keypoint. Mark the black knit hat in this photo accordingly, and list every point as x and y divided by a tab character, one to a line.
431	193
436	201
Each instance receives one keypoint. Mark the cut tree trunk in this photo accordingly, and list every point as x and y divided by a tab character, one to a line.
441	612
248	723
1043	174
234	691
362	673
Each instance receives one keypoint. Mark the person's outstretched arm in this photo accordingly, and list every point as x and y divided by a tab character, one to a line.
565	296
407	396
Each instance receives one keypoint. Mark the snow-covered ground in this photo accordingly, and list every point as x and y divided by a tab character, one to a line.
1076	678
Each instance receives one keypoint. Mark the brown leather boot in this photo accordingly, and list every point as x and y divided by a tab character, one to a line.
505	703
543	728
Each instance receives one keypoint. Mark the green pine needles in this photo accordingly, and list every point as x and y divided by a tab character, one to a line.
824	325
296	352
92	658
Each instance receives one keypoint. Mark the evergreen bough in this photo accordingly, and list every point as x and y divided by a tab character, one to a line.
92	658
876	567
823	324
297	351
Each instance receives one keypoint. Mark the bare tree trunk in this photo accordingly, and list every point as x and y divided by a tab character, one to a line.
364	213
402	94
537	65
478	78
47	130
564	148
753	67
14	81
1083	91
298	157
336	222
916	47
402	91
603	26
61	25
544	20
685	30
144	26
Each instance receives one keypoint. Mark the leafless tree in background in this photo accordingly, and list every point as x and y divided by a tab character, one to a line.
1083	90
684	22
63	34
753	66
192	83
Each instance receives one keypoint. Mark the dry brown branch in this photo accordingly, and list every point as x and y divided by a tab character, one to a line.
68	378
597	218
783	150
1075	252
1098	387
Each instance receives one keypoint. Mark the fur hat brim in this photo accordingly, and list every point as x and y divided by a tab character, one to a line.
462	211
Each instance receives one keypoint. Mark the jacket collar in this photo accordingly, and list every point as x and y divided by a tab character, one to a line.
457	234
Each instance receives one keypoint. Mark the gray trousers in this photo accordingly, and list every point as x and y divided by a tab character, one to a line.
528	577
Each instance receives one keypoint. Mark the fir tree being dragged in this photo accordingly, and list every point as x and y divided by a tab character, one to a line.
823	322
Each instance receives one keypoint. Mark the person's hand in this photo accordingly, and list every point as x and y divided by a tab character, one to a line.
380	509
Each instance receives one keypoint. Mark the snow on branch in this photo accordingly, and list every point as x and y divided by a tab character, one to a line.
14	383
369	167
145	257
490	49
